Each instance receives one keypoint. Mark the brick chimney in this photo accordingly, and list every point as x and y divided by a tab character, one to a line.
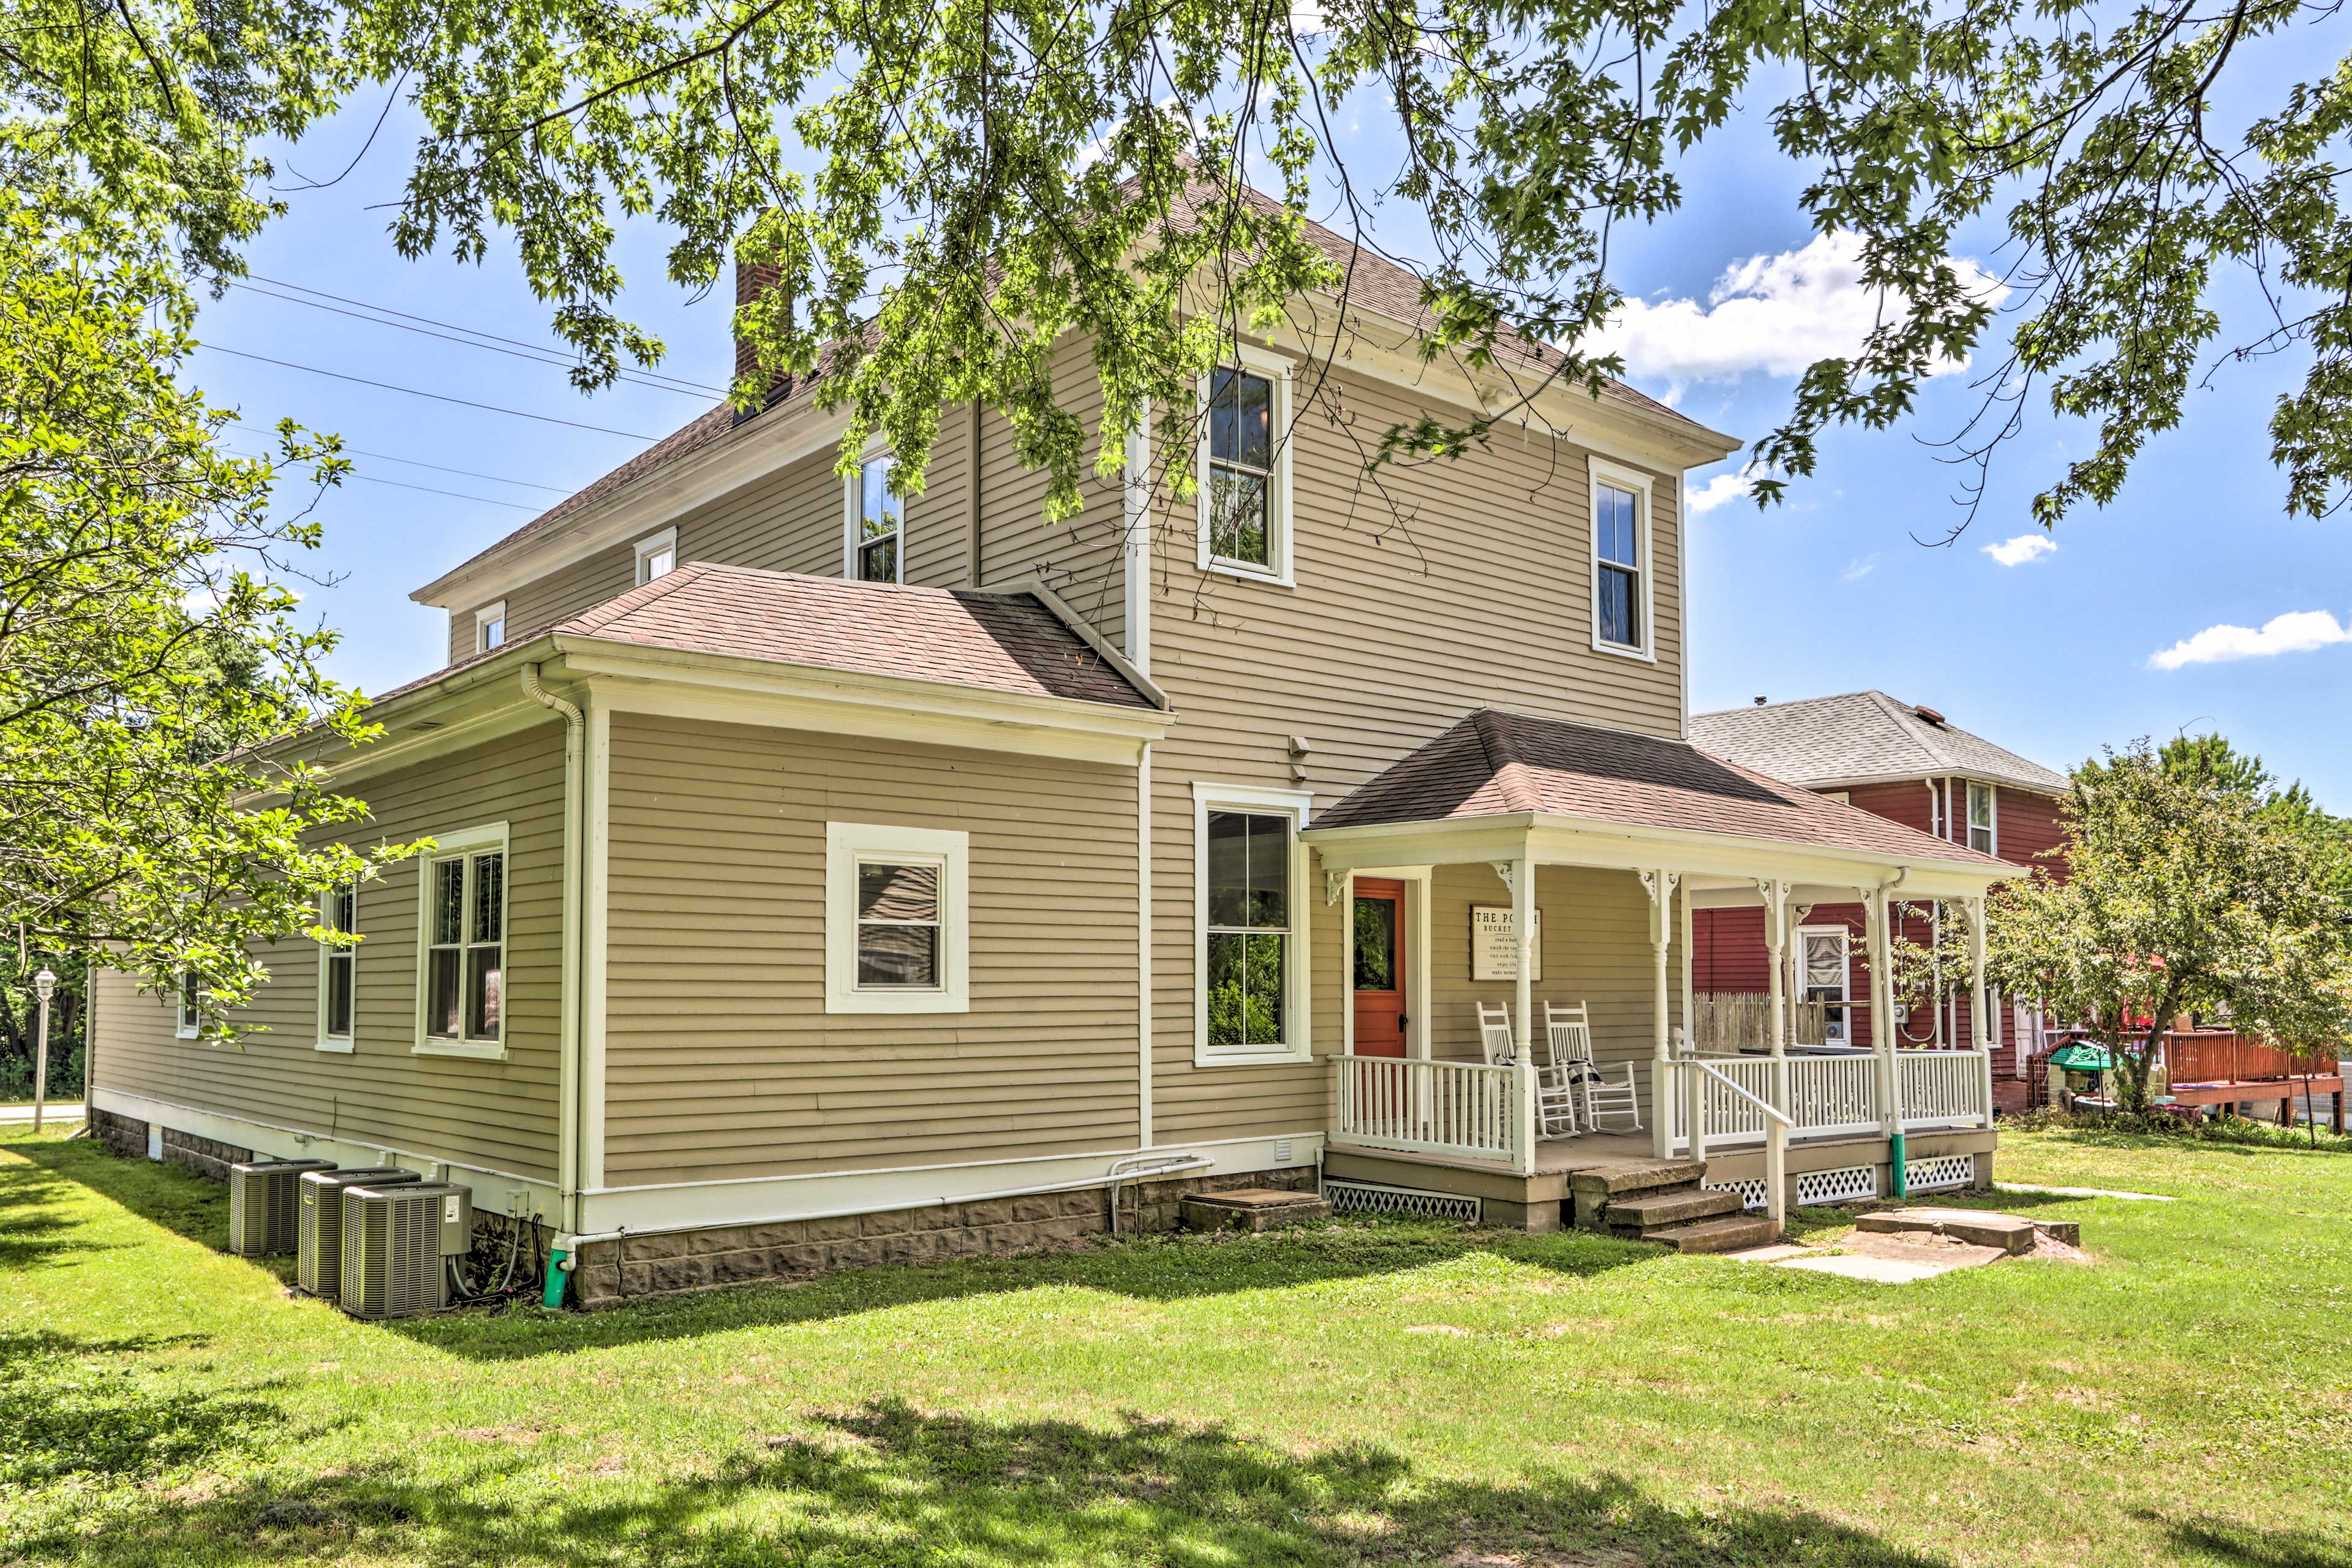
751	280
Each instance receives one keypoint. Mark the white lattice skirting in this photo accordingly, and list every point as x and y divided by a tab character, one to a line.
1942	1172
1368	1197
1812	1187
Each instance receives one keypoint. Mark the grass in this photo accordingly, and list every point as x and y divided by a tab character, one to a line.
1353	1393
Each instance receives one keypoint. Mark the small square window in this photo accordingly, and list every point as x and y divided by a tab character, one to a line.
490	626
657	556
896	935
189	1015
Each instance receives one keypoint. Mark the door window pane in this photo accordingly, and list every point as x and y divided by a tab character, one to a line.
1376	944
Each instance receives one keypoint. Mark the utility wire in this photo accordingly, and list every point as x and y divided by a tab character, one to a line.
404	485
435	396
419	463
534	352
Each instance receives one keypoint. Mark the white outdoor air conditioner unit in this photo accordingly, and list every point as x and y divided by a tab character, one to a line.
397	1243
318	1268
263	1201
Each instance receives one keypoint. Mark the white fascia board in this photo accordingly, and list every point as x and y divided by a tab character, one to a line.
1860	781
1579	841
757	1200
727	690
749	452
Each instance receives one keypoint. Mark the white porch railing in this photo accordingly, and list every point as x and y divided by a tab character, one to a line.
1465	1111
1831	1097
1943	1089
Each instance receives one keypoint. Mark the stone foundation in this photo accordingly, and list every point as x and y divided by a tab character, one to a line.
670	1262
205	1156
123	1135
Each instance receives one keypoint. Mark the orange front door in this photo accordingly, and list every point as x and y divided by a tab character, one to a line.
1379	968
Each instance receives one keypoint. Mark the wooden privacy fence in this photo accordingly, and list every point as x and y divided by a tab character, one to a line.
1724	1023
2225	1057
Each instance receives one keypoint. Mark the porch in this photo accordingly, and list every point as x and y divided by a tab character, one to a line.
1566	874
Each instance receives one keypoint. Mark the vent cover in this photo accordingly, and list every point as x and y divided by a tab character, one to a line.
1837	1186
1751	1192
318	1267
1369	1197
263	1204
1943	1172
397	1241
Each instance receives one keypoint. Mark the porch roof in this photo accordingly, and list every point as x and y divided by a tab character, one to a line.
1497	765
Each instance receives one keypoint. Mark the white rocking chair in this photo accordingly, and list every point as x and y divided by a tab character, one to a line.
1556	1085
1495	1041
1569	1033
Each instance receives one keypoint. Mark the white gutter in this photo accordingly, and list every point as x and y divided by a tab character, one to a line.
572	1137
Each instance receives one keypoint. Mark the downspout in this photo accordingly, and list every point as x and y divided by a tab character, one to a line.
571	1135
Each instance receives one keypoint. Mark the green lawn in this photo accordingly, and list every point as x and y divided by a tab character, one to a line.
1356	1394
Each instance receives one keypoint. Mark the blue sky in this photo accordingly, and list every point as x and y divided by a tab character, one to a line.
2051	656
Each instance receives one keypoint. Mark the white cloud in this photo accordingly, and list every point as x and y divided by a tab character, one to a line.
1773	313
2298	631
1715	492
2025	547
1855	571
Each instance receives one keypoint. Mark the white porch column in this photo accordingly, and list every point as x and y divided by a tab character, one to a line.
1978	1012
1689	965
1776	1141
1523	1057
1882	1013
1775	949
1660	885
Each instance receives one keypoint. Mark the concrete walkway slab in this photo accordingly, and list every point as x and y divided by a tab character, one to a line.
1858	1266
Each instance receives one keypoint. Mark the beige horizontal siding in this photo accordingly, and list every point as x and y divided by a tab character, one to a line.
496	1114
720	1060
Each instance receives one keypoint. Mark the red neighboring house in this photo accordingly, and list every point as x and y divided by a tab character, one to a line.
1909	764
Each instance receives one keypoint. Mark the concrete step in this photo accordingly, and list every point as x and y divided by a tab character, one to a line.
1637	1175
2010	1233
1731	1233
1645	1214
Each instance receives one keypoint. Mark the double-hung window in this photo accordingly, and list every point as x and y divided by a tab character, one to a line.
898	919
461	1002
877	523
189	1017
1252	925
1622	526
657	556
1980	818
1244	468
338	968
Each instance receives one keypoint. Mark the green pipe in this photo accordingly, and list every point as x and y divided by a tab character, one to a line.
1902	1180
554	1295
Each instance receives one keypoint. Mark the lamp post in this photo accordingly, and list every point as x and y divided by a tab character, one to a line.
45	986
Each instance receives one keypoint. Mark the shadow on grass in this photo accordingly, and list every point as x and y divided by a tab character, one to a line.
66	1412
173	1196
887	1484
1144	1267
2245	1546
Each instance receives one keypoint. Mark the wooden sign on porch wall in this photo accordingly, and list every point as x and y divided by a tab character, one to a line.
1493	946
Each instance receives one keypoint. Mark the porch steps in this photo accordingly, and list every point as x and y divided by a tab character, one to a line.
1727	1233
1644	1215
1664	1201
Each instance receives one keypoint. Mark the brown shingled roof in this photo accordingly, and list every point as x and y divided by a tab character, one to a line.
999	642
1499	764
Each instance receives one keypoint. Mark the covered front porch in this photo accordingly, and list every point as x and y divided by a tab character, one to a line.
1575	925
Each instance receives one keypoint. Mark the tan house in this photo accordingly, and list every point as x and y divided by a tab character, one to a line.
825	875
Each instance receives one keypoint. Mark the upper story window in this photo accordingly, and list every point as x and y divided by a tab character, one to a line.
898	919
1251	995
877	524
338	968
1622	598
1244	474
489	626
1980	818
461	997
657	556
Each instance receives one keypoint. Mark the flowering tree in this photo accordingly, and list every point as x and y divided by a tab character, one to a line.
2184	896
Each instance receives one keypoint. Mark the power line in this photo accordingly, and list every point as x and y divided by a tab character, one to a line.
420	463
436	396
404	485
535	353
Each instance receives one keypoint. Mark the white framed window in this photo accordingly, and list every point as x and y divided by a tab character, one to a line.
461	942
657	556
1982	835
339	909
874	538
898	913
188	1018
1244	468
1250	958
489	626
1622	596
1825	966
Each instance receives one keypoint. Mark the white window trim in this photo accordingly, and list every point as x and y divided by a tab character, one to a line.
1297	1008
1600	471
1276	369
339	1043
483	618
653	545
1797	967
1992	814
845	843
490	835
180	1029
853	514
